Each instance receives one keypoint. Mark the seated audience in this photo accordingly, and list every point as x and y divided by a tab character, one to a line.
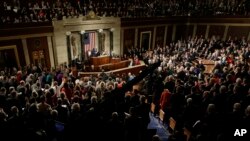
204	102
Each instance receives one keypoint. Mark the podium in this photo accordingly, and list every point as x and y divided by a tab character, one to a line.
209	66
107	63
100	60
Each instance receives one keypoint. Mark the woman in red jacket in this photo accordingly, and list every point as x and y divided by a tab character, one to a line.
165	104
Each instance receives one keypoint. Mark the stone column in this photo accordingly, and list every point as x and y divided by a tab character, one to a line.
122	42
111	37
194	31
225	33
51	52
68	46
174	32
136	38
83	53
248	37
26	51
165	35
100	41
154	36
207	31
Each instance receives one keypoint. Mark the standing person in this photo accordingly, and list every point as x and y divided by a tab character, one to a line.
143	112
158	87
57	89
165	104
93	52
156	138
132	126
115	128
136	60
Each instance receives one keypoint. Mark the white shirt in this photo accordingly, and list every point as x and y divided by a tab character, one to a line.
57	89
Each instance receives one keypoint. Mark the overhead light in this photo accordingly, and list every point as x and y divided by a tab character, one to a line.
112	29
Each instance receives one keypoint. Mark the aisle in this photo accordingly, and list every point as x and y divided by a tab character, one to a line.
160	129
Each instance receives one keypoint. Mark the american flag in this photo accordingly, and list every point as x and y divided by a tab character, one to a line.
89	41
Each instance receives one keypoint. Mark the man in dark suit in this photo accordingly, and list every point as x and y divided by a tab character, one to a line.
94	52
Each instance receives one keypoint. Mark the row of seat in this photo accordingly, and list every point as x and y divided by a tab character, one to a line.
172	121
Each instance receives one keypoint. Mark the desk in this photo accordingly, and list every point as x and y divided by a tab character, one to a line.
114	66
100	60
115	60
207	62
209	66
133	69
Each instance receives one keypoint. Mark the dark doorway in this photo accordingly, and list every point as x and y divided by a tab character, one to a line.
145	40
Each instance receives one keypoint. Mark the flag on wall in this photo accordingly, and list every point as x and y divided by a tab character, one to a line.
89	41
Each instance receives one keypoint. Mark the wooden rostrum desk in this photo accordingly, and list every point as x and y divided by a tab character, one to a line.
110	65
107	63
100	60
133	70
114	66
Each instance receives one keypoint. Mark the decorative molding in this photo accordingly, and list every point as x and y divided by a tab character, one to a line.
25	36
79	21
91	16
190	24
89	23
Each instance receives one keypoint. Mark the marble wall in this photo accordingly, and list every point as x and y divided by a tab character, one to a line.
107	41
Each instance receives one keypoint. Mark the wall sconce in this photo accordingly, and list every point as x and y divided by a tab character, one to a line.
82	32
68	33
112	29
100	30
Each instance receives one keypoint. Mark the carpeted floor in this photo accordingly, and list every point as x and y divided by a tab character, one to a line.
161	130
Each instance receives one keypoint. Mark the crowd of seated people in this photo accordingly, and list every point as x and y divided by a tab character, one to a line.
48	105
23	11
54	105
210	105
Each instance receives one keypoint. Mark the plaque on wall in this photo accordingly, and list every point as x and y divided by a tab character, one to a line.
37	43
